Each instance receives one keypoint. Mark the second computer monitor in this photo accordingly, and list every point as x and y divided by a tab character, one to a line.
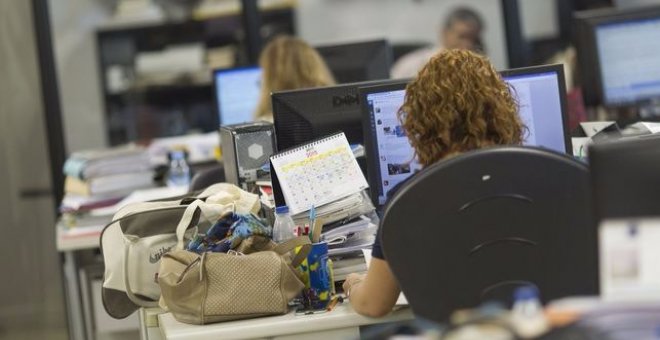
237	93
361	61
304	115
618	55
540	92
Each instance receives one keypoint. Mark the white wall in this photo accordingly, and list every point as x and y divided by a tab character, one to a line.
329	21
539	18
73	25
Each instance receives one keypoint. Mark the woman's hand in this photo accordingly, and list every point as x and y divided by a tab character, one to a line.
352	280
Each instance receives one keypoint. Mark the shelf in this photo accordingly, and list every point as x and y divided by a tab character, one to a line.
178	104
113	27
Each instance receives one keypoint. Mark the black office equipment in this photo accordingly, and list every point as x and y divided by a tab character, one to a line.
541	95
304	115
618	55
474	227
207	177
246	148
237	92
626	177
360	61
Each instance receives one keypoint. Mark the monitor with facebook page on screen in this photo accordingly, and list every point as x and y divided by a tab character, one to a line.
237	94
358	61
541	95
618	55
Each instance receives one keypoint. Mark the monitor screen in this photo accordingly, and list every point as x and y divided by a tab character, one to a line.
361	61
394	156
540	93
628	57
237	94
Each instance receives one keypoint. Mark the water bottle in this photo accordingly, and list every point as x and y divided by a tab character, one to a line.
527	317
283	229
179	172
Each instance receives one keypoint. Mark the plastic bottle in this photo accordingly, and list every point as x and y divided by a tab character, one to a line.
284	227
179	173
527	316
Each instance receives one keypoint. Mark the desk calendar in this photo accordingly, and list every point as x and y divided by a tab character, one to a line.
318	173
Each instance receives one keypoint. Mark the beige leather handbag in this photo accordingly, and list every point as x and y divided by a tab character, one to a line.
215	287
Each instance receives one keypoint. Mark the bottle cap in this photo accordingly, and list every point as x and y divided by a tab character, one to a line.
525	293
177	154
283	209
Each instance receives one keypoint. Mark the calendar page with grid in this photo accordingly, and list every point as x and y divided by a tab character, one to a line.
318	173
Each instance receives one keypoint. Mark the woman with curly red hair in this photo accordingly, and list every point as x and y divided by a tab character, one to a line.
457	103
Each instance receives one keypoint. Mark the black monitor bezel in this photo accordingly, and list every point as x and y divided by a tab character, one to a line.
216	99
588	22
559	70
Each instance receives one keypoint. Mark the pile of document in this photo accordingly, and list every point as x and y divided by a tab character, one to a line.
97	179
346	242
340	211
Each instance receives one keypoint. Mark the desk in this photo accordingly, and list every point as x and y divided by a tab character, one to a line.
341	323
72	243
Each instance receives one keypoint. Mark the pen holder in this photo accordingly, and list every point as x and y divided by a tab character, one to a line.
317	276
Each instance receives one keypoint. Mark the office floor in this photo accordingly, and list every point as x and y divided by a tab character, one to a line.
30	334
60	334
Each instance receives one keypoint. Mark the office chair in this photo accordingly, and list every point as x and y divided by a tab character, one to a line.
206	177
473	228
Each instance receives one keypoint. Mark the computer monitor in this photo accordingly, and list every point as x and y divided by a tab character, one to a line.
625	177
237	94
304	115
541	94
390	157
361	61
618	55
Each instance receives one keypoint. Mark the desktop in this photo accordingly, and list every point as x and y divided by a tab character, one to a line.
237	94
541	95
361	61
304	115
624	177
619	55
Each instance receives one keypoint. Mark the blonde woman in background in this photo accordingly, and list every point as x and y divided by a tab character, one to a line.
289	63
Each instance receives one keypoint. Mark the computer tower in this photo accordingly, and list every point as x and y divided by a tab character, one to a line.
246	148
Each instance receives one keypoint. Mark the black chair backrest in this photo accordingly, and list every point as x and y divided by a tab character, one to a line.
207	177
473	228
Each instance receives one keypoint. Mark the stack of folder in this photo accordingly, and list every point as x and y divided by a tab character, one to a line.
96	179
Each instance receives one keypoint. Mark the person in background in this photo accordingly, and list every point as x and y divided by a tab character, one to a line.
289	63
461	30
457	103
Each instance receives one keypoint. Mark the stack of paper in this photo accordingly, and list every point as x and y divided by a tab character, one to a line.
343	265
350	237
340	211
97	179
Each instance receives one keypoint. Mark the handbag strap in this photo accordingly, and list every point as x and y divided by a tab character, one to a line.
301	241
210	212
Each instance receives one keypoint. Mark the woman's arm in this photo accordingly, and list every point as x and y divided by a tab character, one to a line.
375	293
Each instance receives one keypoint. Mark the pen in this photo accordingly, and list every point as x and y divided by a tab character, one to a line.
312	217
334	301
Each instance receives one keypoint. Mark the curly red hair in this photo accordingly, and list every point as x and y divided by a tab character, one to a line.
457	103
